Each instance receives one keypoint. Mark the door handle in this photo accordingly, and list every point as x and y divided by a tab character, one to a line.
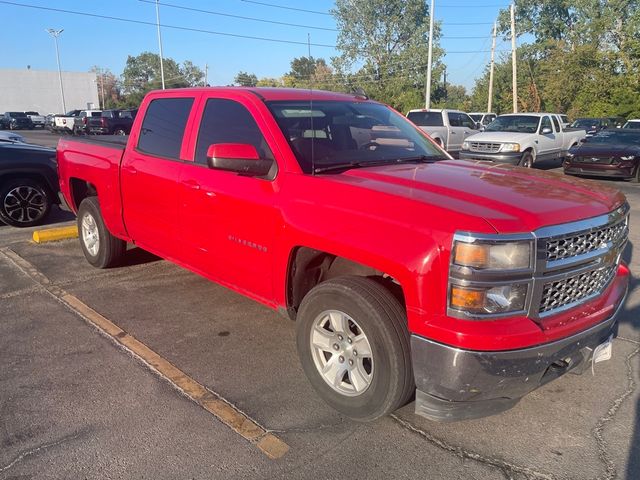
130	169
453	133
192	184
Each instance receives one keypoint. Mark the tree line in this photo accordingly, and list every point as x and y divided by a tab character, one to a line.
580	57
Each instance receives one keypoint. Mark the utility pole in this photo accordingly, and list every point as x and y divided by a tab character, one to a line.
427	100
206	74
160	42
493	51
513	58
55	34
101	73
446	97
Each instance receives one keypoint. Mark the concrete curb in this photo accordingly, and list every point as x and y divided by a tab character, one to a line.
55	234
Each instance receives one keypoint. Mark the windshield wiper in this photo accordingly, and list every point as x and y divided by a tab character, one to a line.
377	163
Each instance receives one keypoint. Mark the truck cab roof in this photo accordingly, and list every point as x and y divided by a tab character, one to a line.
270	93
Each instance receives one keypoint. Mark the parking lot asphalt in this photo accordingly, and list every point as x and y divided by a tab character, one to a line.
76	404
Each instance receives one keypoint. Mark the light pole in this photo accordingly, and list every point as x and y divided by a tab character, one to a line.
160	42
427	99
55	34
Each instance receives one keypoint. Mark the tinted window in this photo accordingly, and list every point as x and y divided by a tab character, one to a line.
426	119
454	119
163	126
227	121
466	121
616	137
556	123
488	119
545	123
476	116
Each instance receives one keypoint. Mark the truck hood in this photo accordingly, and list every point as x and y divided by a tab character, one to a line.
499	137
510	199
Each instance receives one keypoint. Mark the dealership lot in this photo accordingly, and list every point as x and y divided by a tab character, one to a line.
74	403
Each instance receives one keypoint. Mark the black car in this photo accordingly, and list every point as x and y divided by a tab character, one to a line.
592	125
28	183
112	122
16	121
609	153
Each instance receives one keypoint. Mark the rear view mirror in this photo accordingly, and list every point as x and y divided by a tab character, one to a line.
546	131
237	157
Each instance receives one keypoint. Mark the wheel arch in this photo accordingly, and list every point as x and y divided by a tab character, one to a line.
79	190
307	267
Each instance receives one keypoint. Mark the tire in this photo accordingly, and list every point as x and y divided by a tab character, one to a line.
350	313
119	131
636	176
24	202
527	160
100	248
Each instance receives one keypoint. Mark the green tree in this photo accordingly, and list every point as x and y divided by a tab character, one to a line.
244	79
388	39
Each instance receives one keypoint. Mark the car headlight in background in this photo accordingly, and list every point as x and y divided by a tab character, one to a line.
492	256
510	147
628	158
465	146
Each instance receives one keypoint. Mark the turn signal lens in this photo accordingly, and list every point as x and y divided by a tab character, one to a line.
471	255
467	299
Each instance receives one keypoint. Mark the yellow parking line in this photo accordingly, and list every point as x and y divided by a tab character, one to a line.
54	234
213	403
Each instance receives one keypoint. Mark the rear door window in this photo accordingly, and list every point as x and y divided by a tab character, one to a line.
556	123
426	119
455	119
466	121
163	127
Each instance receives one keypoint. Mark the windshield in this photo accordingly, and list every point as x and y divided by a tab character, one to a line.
426	119
337	132
611	137
17	114
634	125
476	117
586	123
31	113
514	123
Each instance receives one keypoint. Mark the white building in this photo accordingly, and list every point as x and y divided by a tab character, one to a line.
39	90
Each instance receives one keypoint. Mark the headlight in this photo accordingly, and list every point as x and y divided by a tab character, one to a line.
510	147
570	155
492	256
488	300
465	145
626	159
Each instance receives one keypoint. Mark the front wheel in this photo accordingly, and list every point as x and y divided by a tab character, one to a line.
527	160
100	247
353	344
23	202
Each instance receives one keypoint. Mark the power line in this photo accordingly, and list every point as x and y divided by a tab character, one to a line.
265	4
210	12
174	27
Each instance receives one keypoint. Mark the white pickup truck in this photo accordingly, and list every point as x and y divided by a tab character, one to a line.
73	121
522	139
36	119
448	128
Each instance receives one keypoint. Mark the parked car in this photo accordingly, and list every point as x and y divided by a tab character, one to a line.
522	139
610	153
81	124
112	122
28	183
616	122
482	119
16	121
36	119
65	123
11	137
633	124
402	267
448	128
592	125
49	121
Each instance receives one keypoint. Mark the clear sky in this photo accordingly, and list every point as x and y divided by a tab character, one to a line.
88	41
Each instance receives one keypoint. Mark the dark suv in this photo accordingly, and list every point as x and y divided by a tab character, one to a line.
16	121
112	122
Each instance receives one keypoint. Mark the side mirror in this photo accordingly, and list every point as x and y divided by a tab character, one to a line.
546	131
478	126
237	157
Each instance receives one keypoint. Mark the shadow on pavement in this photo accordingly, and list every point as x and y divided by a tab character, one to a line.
137	256
55	216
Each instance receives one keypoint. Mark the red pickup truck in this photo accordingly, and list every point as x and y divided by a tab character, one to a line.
466	282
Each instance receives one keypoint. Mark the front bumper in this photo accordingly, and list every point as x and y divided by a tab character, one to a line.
509	157
455	384
618	170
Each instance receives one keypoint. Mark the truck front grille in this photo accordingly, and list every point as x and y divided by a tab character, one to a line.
576	288
577	244
484	147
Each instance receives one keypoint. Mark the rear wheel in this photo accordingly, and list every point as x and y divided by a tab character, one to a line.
527	160
119	131
353	344
100	248
24	202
